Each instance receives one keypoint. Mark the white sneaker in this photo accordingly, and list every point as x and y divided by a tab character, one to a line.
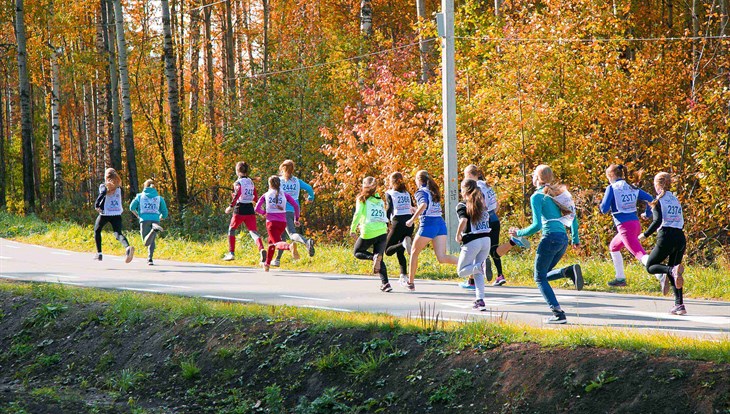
403	280
664	283
407	244
130	254
98	257
275	263
228	257
156	227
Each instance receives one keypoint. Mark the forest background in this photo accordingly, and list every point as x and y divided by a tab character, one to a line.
180	90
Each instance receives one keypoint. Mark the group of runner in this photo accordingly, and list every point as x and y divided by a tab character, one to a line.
478	231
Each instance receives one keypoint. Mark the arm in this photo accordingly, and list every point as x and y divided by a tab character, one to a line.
260	205
308	188
607	200
460	229
134	206
657	213
643	195
100	199
358	217
536	205
416	213
294	204
574	231
235	194
389	211
163	208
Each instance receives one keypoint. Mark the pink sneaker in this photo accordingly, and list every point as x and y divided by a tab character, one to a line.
677	272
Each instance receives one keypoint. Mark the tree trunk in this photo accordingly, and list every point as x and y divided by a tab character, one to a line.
25	111
240	17
3	175
174	104
114	120
230	61
194	65
249	46
126	101
209	81
424	47
497	4
366	18
265	63
56	126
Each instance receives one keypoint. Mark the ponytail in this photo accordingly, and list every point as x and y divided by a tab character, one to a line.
397	182
425	179
664	181
369	187
475	205
275	184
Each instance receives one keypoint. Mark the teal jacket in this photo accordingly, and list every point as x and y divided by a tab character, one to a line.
544	207
149	192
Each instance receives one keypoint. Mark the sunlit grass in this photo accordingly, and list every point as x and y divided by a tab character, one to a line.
336	257
458	336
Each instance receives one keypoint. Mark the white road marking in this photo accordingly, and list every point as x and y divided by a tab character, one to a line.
460	305
712	320
139	289
170	286
10	246
5	258
61	253
306	298
228	298
61	276
70	283
325	308
9	277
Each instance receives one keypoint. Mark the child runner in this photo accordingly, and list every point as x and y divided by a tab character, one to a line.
244	193
432	225
670	242
473	234
293	186
620	199
400	208
551	218
109	206
273	205
371	218
149	207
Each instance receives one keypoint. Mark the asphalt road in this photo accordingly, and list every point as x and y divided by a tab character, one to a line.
349	293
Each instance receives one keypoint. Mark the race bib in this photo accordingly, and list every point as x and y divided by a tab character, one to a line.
672	215
247	190
401	202
149	205
625	197
375	211
113	203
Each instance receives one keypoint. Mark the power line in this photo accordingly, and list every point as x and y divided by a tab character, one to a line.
592	40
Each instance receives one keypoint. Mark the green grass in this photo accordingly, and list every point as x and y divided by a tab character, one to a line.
707	282
457	336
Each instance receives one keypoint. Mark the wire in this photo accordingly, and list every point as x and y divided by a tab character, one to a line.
591	40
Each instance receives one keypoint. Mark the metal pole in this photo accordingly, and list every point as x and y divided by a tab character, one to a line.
448	80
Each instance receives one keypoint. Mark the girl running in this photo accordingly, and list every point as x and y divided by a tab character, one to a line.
399	211
473	234
149	207
370	216
551	218
670	242
472	172
620	199
292	186
432	225
244	193
109	206
272	205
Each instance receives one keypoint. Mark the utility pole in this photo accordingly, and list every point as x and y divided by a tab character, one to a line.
445	23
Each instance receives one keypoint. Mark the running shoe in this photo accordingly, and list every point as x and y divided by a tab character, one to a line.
294	253
156	227
130	254
403	280
499	281
377	261
386	288
98	257
310	247
275	263
487	270
468	284
575	273
557	318
263	256
677	272
678	310
521	242
228	257
266	267
664	283
150	262
411	286
479	305
407	244
617	283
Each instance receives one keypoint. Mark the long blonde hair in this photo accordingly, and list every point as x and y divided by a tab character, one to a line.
544	176
369	187
664	180
287	169
112	180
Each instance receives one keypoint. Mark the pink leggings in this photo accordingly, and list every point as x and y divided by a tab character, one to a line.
628	236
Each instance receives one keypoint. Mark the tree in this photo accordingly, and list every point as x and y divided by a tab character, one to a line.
112	87
25	110
424	47
173	102
194	65
56	124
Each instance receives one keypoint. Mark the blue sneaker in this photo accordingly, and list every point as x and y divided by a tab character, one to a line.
521	242
468	284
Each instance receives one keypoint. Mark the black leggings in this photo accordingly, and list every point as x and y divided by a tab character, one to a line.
393	244
670	243
116	222
494	239
378	245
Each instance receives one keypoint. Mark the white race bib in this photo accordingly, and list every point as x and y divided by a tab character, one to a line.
274	203
401	202
625	197
375	211
113	203
481	226
490	197
291	187
149	205
672	215
247	190
433	208
564	201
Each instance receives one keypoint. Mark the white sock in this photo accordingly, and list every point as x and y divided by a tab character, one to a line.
618	265
644	259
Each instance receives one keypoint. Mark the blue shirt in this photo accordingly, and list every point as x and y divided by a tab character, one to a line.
543	207
303	186
609	204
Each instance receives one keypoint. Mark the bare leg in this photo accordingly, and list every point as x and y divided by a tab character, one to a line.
418	244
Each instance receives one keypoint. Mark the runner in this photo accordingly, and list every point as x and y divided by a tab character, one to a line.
400	209
473	234
244	194
620	199
671	242
293	186
272	205
552	211
109	206
149	207
370	216
432	225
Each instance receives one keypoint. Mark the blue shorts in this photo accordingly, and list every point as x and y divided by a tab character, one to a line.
431	227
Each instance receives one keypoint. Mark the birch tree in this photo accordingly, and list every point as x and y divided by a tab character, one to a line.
25	111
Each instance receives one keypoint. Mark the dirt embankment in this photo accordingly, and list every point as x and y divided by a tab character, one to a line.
78	358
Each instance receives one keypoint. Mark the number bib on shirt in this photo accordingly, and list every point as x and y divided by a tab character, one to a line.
490	197
275	204
481	226
671	212
401	202
564	201
291	187
113	203
247	190
149	205
375	211
433	209
625	197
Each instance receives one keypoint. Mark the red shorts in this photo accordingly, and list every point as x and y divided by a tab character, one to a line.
248	219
